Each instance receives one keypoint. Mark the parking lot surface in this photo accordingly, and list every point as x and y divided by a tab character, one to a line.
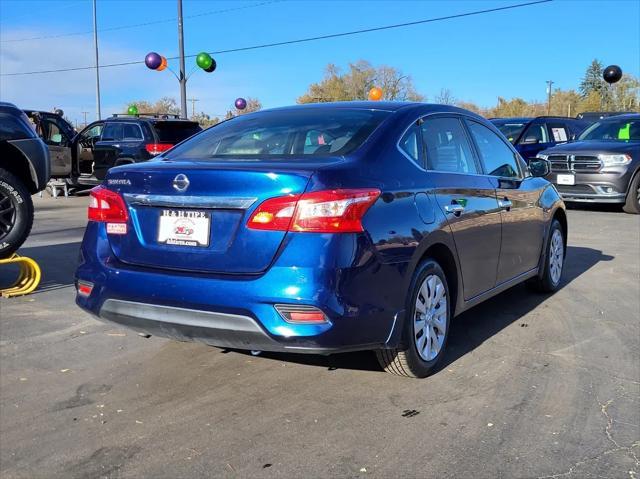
532	385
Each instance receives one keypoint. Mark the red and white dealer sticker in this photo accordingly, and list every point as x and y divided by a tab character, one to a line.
117	228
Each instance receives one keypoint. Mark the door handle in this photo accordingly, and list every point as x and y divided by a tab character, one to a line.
505	203
454	208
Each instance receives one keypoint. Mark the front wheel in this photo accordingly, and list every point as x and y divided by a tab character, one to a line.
16	213
549	280
426	325
632	204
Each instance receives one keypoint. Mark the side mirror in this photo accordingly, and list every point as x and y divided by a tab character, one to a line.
530	140
539	167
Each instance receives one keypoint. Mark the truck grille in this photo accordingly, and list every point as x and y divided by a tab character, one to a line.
574	163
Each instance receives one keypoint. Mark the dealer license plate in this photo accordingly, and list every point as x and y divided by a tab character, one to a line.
184	227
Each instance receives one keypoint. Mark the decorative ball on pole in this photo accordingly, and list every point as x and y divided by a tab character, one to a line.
375	93
132	110
240	103
211	67
612	74
163	64
153	60
204	60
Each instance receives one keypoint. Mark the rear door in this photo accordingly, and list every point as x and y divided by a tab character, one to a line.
519	200
534	139
108	148
467	198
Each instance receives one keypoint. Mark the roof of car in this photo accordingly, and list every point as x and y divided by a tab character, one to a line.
370	105
625	116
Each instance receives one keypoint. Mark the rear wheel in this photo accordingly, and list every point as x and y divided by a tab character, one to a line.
16	213
632	205
426	325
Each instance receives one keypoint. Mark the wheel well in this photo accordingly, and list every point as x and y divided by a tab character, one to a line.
443	255
12	160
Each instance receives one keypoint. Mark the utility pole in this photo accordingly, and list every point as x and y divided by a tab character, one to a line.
549	84
95	45
193	106
183	77
84	113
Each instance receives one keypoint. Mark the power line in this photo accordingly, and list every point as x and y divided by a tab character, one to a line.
301	40
136	25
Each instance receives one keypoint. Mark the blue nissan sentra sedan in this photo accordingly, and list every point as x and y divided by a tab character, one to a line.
322	228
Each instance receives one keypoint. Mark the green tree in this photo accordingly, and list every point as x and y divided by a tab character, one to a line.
253	104
356	83
165	105
592	80
205	120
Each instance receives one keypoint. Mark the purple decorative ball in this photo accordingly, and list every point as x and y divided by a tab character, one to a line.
241	103
152	60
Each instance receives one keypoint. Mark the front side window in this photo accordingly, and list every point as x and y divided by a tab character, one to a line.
290	135
93	132
52	133
536	133
559	132
497	157
446	146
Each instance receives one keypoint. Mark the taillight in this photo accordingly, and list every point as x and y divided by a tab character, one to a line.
107	206
157	148
298	313
329	211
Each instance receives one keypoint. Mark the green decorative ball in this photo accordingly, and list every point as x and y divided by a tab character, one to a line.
204	60
133	110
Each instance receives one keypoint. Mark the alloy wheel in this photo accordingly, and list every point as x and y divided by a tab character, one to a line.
556	256
430	318
7	214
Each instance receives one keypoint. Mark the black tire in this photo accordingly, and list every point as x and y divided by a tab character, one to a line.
548	281
632	205
16	213
407	361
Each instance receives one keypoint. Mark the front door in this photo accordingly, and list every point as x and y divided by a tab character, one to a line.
467	198
518	197
59	147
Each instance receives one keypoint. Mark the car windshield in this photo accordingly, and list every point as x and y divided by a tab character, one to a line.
613	130
284	134
511	130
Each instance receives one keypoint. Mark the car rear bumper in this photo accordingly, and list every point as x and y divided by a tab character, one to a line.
239	312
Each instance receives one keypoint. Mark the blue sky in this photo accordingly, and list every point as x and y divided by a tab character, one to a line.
509	53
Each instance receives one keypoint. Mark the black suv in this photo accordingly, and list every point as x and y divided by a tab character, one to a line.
532	135
602	166
86	157
24	170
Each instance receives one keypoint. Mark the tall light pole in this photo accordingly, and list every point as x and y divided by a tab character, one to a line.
549	84
95	45
183	77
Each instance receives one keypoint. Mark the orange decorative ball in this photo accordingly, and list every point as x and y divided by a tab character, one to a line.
375	93
163	65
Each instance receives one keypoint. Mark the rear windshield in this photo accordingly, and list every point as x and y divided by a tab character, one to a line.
284	134
615	130
175	131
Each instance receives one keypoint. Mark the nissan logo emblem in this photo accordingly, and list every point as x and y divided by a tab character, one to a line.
181	182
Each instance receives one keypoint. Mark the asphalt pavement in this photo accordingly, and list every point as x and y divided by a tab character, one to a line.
532	385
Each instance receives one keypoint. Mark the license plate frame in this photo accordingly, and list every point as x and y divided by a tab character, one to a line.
568	180
184	228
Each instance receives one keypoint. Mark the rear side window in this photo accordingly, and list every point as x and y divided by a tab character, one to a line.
112	132
131	131
410	143
285	134
447	147
497	157
175	131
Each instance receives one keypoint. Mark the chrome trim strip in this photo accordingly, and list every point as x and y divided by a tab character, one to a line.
216	202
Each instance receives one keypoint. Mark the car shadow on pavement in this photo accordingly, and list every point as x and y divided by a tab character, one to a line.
57	262
473	327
